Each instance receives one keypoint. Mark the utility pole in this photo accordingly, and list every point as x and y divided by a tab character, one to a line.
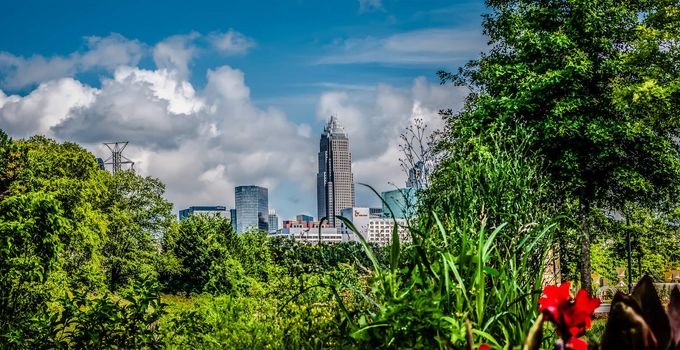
117	159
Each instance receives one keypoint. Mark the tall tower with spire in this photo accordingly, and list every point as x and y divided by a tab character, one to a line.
334	181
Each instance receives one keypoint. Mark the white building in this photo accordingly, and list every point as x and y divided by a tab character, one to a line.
374	230
311	235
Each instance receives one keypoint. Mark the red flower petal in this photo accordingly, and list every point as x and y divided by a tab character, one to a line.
553	299
484	346
577	344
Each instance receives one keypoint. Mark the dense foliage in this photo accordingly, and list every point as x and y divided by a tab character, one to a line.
595	84
566	151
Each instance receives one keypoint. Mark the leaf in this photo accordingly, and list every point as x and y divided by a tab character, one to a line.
395	249
491	271
535	335
626	328
653	311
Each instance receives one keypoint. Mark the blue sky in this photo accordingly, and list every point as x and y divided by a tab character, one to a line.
294	61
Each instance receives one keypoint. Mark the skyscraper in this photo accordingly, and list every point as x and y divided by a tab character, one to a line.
416	176
334	181
232	215
273	221
252	204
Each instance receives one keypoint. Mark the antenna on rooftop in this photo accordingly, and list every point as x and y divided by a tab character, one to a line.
117	159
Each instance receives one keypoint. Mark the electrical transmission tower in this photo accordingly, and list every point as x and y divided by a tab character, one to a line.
117	159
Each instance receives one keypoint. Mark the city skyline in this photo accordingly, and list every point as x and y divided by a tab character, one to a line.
209	98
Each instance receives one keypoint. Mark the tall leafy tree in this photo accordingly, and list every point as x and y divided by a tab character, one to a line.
596	85
70	175
30	250
138	216
199	249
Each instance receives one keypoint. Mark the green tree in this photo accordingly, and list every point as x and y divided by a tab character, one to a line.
199	250
595	83
30	250
12	160
70	174
138	216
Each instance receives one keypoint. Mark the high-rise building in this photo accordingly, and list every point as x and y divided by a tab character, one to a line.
232	216
402	201
252	208
416	176
202	209
334	181
273	221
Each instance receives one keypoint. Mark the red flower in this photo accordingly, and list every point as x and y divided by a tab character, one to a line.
553	300
571	316
484	346
577	316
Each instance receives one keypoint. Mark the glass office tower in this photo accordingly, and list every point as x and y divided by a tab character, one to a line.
252	208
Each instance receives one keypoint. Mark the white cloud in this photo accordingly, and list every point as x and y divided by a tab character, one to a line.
426	46
111	52
231	42
199	143
49	104
175	53
203	142
103	53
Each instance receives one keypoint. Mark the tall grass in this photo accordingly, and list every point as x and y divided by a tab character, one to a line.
479	244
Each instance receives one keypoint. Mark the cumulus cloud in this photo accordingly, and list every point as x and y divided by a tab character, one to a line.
426	46
48	105
202	142
199	143
231	42
175	53
102	53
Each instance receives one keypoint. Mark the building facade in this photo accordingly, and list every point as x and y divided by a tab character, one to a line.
202	209
232	216
273	221
252	208
417	176
401	201
374	230
335	182
303	217
311	235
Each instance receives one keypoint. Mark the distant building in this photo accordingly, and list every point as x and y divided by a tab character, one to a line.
202	209
100	164
303	224
273	221
358	216
334	182
401	201
252	204
303	217
416	176
375	212
374	230
311	235
232	215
